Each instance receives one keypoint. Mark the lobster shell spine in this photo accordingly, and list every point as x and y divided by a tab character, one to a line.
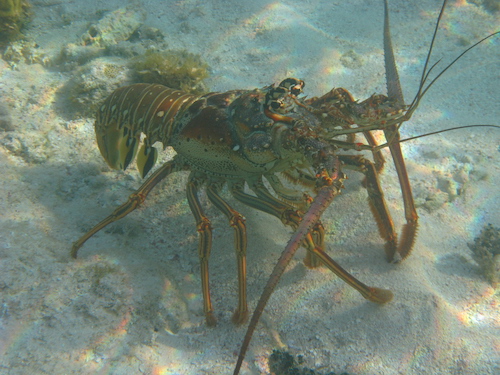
131	110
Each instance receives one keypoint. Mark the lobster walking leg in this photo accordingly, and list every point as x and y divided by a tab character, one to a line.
377	155
318	237
237	221
373	294
392	132
274	207
314	247
320	203
376	200
317	233
134	201
289	216
410	228
204	229
325	196
286	213
392	135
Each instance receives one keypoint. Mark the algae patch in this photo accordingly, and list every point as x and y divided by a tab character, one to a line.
120	50
93	82
97	79
176	69
486	252
14	14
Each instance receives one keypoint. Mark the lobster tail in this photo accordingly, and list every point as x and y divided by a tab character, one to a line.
134	110
146	159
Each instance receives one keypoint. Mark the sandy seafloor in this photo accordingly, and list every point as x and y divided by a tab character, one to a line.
131	303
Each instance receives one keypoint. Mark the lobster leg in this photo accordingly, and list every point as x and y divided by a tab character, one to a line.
204	229
375	199
237	221
392	132
410	228
286	213
134	201
320	203
266	202
291	217
392	135
318	237
377	155
301	200
309	240
310	218
314	243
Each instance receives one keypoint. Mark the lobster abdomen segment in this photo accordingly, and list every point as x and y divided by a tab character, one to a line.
134	110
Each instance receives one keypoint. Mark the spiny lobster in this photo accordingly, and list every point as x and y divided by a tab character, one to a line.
243	137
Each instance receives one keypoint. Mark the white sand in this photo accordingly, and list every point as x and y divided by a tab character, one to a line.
131	304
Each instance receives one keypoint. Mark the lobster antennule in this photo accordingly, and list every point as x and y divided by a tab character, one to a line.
134	110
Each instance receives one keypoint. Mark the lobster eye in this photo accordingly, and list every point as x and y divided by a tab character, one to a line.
276	104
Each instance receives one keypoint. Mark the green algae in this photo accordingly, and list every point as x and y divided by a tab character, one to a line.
486	252
178	69
14	14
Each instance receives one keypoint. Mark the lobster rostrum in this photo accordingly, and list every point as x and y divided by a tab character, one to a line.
240	138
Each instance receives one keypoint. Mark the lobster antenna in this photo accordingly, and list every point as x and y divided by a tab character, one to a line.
446	130
425	73
320	203
379	147
421	91
393	87
394	90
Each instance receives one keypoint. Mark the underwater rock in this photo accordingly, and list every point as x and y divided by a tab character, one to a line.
5	118
444	182
33	148
115	27
73	55
94	81
486	252
144	38
352	60
491	6
25	52
283	363
176	69
150	33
